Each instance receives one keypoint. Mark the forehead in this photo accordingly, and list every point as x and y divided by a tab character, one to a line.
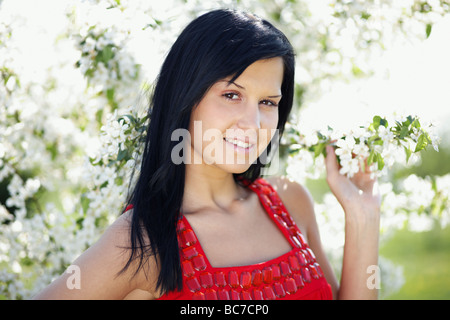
267	73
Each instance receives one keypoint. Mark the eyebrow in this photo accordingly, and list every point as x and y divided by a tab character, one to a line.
241	87
237	85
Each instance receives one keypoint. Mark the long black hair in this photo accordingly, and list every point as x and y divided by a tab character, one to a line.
216	45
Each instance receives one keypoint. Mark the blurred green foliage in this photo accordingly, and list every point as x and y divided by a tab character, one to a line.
432	164
425	258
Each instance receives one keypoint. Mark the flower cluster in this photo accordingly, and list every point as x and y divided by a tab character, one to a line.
108	173
101	35
414	203
54	200
377	145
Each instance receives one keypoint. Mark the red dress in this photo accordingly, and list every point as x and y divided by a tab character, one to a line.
294	275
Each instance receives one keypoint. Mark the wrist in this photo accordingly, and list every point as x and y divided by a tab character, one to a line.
362	209
362	219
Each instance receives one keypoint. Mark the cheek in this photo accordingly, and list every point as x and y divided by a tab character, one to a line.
211	112
269	121
269	124
205	124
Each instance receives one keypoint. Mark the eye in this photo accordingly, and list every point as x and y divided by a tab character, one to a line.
269	103
231	95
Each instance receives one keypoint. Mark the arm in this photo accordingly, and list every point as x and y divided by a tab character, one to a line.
98	271
361	204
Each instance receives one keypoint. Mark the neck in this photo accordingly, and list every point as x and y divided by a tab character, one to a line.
210	187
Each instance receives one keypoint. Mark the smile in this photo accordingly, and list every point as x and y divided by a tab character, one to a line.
239	143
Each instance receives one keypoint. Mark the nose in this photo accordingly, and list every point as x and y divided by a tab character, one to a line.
250	117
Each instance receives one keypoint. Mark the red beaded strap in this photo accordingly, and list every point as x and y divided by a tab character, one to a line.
278	212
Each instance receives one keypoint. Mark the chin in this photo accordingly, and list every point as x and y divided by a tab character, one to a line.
234	168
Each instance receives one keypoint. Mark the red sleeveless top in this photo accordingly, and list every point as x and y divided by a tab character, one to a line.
294	275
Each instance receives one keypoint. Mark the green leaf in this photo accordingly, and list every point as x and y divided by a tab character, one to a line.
380	162
422	142
106	54
409	120
132	119
141	129
428	29
372	157
84	203
378	141
321	136
110	94
376	122
122	154
357	72
319	149
89	73
372	138
404	132
408	153
365	15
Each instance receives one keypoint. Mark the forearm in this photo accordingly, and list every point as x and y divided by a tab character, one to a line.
360	252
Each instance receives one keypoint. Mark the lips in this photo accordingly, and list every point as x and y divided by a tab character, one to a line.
242	143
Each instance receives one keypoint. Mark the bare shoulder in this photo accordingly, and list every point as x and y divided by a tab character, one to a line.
297	200
101	270
293	194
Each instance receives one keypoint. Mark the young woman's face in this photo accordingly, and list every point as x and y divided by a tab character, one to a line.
235	121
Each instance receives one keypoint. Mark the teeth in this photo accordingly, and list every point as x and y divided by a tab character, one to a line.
239	143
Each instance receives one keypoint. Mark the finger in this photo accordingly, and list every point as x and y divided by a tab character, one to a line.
339	185
331	162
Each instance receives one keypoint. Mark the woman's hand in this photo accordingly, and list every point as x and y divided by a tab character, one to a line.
358	194
361	201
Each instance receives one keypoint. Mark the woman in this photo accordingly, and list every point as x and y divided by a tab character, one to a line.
208	227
